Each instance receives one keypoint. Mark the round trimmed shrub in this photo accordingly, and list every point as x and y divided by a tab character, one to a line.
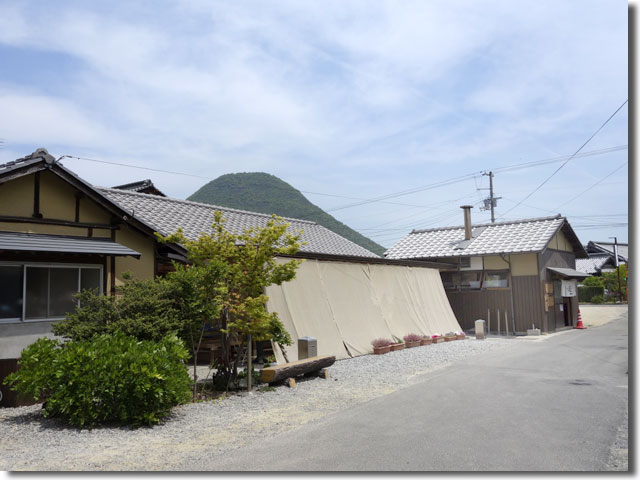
106	378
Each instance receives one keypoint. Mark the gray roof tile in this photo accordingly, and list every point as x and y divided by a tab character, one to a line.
607	247
166	215
32	242
593	264
520	236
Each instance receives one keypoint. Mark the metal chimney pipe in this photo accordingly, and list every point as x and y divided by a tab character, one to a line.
467	221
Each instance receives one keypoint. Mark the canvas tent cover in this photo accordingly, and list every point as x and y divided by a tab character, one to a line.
346	305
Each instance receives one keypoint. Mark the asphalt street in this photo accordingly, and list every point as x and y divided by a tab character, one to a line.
553	404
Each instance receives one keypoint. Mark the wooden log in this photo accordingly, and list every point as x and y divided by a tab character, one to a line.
300	367
324	373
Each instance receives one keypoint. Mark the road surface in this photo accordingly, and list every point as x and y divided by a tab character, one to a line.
552	404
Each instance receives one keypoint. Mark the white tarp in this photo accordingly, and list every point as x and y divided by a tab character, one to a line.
346	305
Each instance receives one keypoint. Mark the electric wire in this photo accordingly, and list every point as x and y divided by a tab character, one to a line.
385	197
590	187
572	156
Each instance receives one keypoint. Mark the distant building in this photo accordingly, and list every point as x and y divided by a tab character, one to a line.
602	258
143	186
523	269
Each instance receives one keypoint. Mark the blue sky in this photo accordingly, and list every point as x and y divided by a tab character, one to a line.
340	99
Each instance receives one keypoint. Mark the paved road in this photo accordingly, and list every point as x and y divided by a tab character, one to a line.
552	404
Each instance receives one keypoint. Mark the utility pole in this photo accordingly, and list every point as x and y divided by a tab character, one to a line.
490	203
615	253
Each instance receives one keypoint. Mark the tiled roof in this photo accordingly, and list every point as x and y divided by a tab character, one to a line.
143	186
593	264
32	242
519	236
166	215
607	247
39	155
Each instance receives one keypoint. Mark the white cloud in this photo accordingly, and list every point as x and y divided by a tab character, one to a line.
351	95
45	120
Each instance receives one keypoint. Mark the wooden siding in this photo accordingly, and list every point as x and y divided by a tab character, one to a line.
557	258
528	302
471	305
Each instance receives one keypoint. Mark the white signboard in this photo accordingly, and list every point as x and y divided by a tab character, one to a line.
569	288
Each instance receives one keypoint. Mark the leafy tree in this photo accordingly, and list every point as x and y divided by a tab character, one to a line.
593	282
198	294
250	266
610	281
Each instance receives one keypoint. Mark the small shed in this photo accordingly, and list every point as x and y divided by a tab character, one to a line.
515	274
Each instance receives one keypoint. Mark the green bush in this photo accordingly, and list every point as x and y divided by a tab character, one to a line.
144	309
597	299
593	282
586	293
106	378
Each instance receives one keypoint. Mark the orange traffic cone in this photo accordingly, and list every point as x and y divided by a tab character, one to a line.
580	325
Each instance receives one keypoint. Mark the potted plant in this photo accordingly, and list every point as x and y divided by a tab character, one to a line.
449	336
437	338
397	345
381	345
461	335
426	340
412	340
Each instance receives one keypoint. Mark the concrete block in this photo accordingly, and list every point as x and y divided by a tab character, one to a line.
479	324
533	331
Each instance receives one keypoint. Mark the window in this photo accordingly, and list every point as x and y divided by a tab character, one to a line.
461	280
470	280
496	280
11	292
40	292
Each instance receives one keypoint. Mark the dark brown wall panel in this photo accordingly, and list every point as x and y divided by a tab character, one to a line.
470	305
528	302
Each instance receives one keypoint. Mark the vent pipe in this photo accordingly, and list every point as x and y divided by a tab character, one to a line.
467	221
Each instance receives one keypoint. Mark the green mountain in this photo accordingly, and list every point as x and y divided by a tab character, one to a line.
265	193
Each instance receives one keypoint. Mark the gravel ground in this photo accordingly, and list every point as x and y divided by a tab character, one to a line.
32	443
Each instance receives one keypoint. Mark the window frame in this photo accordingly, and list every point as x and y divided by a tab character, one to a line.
458	286
495	272
25	265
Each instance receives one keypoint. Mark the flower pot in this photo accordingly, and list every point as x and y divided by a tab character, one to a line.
412	344
460	337
438	340
426	341
381	350
397	346
449	339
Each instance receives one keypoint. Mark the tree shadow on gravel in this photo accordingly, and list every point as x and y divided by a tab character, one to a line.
36	418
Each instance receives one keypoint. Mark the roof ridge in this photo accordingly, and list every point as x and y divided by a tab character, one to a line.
510	222
607	243
200	204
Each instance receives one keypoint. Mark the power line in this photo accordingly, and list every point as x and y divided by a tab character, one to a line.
589	188
211	179
572	156
375	227
537	163
384	197
554	212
